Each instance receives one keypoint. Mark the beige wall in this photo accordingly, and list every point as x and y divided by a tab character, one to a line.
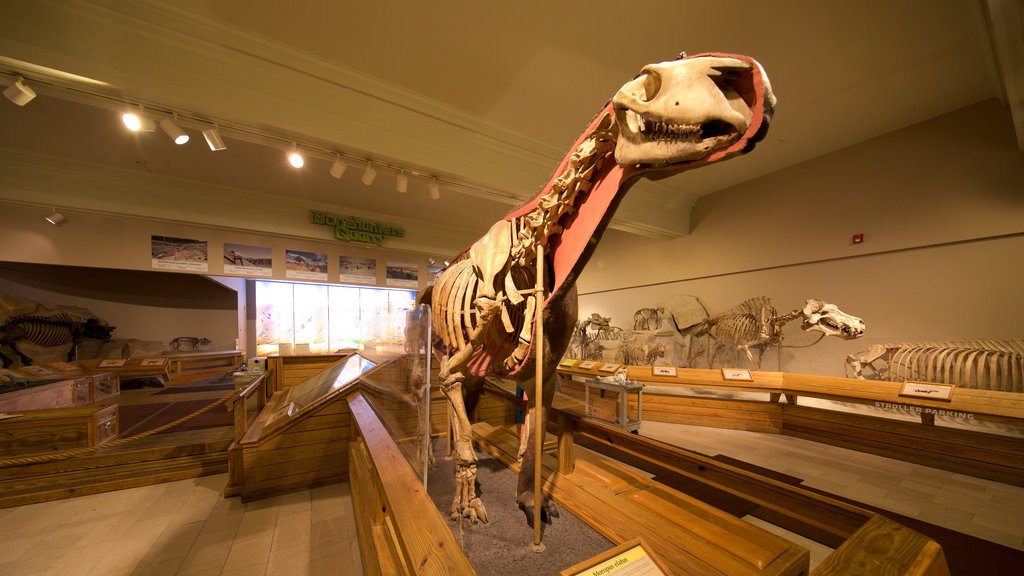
104	241
941	205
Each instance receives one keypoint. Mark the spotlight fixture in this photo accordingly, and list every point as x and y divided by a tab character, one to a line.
56	218
19	93
295	158
369	174
338	167
435	192
171	128
402	183
136	121
213	139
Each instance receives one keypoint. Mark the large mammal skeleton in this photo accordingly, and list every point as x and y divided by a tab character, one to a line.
754	325
672	117
984	364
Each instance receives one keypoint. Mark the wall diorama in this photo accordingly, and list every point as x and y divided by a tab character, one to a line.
673	116
34	333
681	333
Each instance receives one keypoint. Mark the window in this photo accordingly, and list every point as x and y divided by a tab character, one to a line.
328	318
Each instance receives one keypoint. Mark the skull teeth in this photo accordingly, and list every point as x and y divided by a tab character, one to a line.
660	129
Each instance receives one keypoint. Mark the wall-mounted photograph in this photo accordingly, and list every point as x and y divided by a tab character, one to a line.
179	253
305	265
355	269
247	260
403	274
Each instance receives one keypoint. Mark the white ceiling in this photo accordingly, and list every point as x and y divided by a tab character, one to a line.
485	96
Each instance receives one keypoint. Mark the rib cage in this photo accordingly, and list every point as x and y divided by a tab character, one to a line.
982	364
741	324
54	330
453	314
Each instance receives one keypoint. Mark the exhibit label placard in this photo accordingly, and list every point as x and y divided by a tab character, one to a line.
631	558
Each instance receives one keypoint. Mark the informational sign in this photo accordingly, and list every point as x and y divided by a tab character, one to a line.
630	558
928	390
352	229
737	374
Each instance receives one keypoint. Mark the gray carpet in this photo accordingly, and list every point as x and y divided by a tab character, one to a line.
501	547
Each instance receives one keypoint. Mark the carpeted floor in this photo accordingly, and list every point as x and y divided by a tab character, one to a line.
139	418
501	546
135	418
230	385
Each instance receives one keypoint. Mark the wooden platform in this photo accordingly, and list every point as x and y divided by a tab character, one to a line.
783	403
151	460
621	504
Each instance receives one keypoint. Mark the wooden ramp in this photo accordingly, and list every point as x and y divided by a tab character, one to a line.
151	460
621	503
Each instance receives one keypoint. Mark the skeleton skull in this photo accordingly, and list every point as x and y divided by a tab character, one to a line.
681	111
830	320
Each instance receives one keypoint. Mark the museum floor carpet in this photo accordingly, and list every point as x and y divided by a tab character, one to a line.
147	409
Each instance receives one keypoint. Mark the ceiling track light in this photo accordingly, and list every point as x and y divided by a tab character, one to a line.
213	139
338	167
56	218
19	93
295	158
369	175
402	182
173	131
435	191
136	121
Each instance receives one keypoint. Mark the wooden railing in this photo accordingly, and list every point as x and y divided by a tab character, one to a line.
400	528
238	404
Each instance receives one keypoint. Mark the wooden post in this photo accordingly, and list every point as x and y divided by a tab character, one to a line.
538	397
566	458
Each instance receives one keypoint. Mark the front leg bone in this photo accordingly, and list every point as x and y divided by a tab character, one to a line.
465	503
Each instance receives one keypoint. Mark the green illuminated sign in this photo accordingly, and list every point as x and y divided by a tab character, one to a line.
350	229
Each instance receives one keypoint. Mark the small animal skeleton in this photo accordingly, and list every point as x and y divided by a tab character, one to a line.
673	116
754	325
983	364
188	343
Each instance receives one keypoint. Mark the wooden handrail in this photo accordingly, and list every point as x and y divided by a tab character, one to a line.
237	404
424	542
